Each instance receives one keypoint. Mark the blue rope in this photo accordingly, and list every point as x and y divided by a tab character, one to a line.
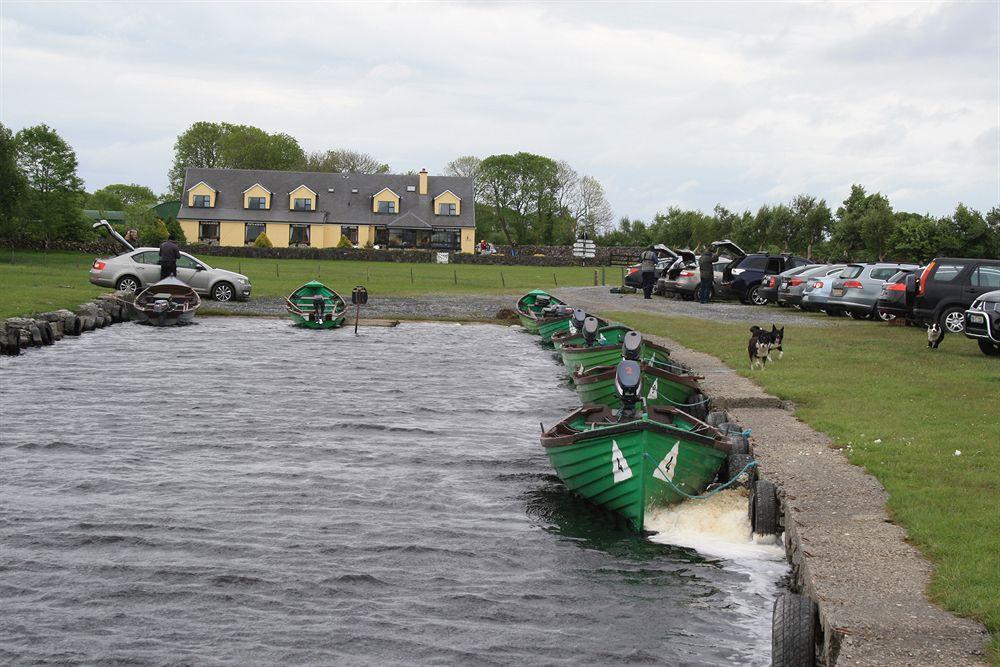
703	496
687	405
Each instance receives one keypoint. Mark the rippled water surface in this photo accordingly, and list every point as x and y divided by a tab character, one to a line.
241	491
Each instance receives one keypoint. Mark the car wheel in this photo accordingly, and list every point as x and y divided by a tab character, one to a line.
989	348
854	315
953	320
223	292
884	316
833	312
754	297
128	284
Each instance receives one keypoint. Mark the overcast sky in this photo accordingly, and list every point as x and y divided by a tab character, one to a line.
687	104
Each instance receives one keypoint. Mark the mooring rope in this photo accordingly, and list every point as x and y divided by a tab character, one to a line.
703	496
687	405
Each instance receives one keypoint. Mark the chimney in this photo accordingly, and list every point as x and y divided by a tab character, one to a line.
423	182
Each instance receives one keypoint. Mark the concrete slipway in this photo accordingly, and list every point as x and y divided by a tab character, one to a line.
845	552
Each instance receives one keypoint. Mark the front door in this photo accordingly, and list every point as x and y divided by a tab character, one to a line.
192	272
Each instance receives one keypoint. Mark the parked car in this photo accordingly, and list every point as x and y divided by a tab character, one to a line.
817	293
856	288
665	258
948	286
741	277
982	322
790	291
895	298
135	270
684	281
769	284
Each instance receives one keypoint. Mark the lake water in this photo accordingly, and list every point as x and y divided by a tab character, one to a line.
241	491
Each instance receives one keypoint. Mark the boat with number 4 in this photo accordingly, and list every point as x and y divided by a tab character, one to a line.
640	457
316	306
530	306
168	302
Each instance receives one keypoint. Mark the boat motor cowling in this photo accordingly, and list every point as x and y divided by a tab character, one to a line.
590	327
579	317
632	346
628	381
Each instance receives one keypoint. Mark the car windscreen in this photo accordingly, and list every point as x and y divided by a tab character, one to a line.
852	271
815	271
882	273
798	270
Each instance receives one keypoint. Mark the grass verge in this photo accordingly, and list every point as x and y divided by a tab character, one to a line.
36	282
902	412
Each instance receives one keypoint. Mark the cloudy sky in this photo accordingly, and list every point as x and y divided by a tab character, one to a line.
687	104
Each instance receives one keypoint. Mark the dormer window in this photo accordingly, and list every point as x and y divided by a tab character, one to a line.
201	195
202	201
257	198
447	209
447	203
257	203
302	204
387	207
302	198
385	201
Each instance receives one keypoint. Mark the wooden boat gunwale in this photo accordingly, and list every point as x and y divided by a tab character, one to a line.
606	372
562	435
339	305
171	287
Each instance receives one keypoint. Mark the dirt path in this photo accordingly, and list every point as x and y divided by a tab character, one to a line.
845	551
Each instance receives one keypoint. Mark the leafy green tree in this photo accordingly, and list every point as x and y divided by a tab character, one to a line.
119	196
52	205
971	228
993	225
877	224
812	223
846	233
13	185
916	238
198	146
343	159
521	189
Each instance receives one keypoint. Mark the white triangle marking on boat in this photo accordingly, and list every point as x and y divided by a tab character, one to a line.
572	330
653	391
619	464
668	465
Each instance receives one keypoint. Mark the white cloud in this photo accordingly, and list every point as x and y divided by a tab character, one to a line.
739	104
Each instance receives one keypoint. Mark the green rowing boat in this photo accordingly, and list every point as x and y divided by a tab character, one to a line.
636	458
530	306
611	334
565	321
659	386
316	306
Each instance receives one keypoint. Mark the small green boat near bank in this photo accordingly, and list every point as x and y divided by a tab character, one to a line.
588	353
659	386
531	305
607	334
566	321
630	460
316	306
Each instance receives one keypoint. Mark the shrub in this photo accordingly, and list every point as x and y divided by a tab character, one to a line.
262	241
345	243
174	228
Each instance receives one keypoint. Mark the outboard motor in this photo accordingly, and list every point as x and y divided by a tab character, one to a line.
543	301
579	316
632	346
628	381
590	327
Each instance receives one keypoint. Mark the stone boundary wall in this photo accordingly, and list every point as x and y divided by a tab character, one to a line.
17	333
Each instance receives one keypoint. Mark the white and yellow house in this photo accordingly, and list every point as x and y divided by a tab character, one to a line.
231	207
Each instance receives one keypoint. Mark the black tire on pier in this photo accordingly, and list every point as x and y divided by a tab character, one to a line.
764	508
739	443
734	465
794	631
717	417
697	406
989	348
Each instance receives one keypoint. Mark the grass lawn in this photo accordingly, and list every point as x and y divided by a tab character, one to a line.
901	411
35	282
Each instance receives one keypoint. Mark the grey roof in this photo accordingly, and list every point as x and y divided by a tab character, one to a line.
342	206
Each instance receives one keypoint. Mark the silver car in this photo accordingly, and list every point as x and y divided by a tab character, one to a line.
683	281
856	290
817	292
138	268
790	291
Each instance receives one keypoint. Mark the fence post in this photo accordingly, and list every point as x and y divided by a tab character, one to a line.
502	281
456	276
276	274
411	275
554	280
602	277
595	277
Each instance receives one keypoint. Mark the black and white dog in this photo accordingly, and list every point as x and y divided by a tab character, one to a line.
935	334
777	336
759	347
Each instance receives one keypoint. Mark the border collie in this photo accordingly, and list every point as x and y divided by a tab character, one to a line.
935	334
777	336
759	347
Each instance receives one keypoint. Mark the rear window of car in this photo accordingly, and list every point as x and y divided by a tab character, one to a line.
147	257
775	265
884	273
851	271
987	276
944	273
752	262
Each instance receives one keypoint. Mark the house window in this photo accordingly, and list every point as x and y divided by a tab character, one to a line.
351	233
447	209
258	203
409	238
298	235
302	204
208	232
387	207
202	201
382	237
446	239
253	230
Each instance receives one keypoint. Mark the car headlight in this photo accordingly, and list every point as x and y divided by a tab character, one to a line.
243	281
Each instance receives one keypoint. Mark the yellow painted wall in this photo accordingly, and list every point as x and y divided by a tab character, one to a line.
190	229
422	182
201	189
448	198
258	191
301	192
277	232
385	195
232	233
468	240
366	235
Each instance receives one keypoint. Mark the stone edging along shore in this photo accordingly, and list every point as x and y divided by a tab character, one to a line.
47	328
845	552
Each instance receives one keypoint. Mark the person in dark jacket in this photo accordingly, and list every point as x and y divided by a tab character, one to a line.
707	271
169	254
647	265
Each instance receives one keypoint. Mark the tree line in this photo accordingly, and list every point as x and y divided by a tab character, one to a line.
863	228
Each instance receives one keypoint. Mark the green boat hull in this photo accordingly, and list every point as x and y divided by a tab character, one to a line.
300	306
597	387
530	324
334	323
575	358
609	335
553	325
626	470
528	311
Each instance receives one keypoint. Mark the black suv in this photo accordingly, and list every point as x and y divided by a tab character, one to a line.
741	277
949	285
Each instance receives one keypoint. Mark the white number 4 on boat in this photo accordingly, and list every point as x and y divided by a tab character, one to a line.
619	464
668	465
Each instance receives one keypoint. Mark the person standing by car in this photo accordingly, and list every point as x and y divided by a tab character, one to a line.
647	264
169	254
705	268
